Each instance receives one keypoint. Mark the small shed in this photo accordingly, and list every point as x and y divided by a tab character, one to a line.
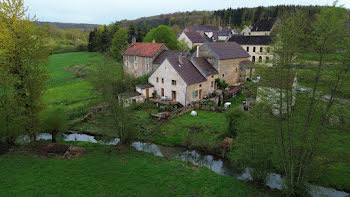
130	98
146	90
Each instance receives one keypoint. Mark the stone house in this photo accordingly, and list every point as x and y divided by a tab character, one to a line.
246	31
257	47
131	98
184	79
138	58
192	38
265	27
225	58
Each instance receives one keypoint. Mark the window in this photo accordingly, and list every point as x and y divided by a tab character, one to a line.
147	64
254	49
236	69
195	94
200	85
127	61
135	62
261	49
212	84
253	59
267	59
162	80
223	75
173	82
260	59
162	90
247	49
157	80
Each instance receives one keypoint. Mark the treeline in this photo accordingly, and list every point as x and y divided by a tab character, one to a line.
248	16
226	17
80	26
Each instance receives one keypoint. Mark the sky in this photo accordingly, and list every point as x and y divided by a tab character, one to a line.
108	11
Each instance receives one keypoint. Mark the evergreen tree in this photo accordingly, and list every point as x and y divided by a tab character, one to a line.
131	32
92	43
105	39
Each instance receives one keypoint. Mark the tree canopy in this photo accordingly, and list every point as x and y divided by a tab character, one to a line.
163	34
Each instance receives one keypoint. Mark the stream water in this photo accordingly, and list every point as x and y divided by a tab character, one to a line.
217	165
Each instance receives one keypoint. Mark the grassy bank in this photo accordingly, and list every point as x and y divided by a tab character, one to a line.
106	172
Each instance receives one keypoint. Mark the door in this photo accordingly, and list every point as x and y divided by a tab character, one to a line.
147	93
162	91
174	95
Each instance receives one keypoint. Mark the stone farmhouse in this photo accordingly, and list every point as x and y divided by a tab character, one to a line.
184	79
257	47
138	58
193	38
225	58
144	58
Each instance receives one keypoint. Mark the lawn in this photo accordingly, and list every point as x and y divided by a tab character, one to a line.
201	131
106	172
67	91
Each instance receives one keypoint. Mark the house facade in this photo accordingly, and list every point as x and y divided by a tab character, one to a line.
184	79
226	59
258	47
138	58
192	38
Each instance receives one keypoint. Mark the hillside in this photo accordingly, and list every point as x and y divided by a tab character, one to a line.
80	26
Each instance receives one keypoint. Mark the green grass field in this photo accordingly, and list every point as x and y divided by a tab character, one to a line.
199	131
65	90
106	172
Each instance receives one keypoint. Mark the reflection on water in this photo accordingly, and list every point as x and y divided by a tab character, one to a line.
220	166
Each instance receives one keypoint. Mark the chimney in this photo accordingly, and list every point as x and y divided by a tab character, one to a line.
180	58
153	41
197	54
133	40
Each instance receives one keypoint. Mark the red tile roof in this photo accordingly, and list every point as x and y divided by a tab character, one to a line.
144	49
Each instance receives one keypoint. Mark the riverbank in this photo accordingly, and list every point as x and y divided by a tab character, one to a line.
103	171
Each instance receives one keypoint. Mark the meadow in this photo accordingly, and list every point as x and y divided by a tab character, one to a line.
66	91
103	171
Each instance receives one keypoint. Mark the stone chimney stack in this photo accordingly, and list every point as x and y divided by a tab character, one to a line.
197	52
153	41
180	58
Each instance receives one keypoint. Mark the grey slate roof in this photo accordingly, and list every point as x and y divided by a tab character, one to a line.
144	86
187	70
167	54
228	50
264	25
251	40
195	37
204	66
204	28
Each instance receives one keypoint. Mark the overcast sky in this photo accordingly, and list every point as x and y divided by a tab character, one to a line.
107	11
